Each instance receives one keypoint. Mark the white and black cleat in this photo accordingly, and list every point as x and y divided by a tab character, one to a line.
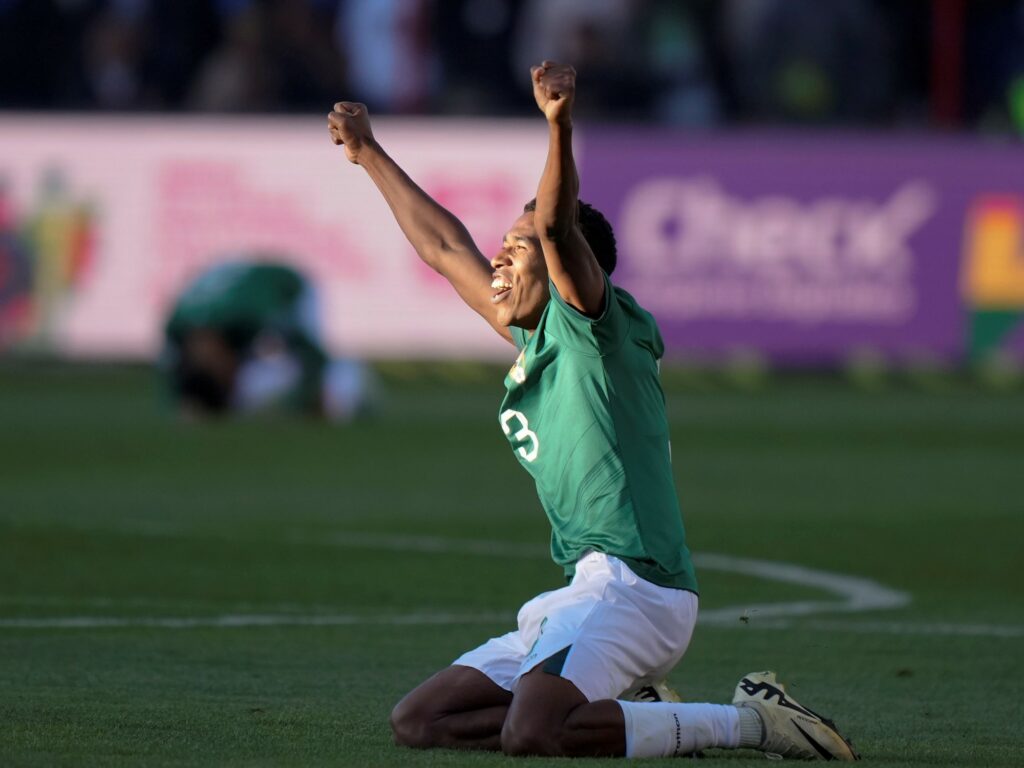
787	728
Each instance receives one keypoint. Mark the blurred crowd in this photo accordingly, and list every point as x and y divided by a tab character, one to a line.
948	63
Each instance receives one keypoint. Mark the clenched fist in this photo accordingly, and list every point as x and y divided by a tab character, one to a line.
554	87
349	124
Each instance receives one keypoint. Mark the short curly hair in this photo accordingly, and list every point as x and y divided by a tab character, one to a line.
596	231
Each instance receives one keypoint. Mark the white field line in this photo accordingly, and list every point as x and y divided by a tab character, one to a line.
855	594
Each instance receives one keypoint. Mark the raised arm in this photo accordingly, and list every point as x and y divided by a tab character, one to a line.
571	264
439	238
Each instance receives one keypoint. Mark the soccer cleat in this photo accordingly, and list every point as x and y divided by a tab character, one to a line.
652	693
787	728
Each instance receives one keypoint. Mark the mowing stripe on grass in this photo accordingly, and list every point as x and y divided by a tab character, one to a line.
913	628
856	594
868	627
243	621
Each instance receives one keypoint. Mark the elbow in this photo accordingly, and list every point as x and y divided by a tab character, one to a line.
441	254
555	223
552	224
431	254
556	232
433	249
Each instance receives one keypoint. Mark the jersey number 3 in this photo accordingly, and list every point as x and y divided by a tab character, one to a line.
523	433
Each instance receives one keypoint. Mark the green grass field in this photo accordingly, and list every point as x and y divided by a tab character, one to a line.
262	593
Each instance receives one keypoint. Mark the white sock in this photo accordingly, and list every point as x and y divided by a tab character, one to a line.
751	728
668	730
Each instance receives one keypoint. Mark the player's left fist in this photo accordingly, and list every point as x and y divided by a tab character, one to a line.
554	88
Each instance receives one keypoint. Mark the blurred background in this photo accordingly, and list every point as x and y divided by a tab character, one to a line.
794	183
922	64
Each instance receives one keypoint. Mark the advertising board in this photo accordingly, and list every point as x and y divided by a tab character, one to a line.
800	250
808	250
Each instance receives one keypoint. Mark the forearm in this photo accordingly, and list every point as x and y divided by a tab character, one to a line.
431	229
558	191
572	266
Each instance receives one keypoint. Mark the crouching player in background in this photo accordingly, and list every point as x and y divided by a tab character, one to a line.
585	415
244	337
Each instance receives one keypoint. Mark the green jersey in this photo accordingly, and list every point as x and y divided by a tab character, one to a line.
244	300
585	413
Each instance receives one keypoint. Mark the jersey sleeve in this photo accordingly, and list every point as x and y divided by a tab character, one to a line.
599	335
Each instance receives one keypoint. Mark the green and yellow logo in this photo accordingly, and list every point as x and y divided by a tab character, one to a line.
992	280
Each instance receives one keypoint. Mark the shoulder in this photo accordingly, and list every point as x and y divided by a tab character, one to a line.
622	319
643	328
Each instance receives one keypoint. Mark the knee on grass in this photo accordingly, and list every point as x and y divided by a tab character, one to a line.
532	737
412	727
518	743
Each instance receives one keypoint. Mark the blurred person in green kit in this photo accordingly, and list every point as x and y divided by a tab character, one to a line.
243	337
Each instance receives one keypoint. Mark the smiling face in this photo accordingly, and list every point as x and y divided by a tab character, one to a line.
519	286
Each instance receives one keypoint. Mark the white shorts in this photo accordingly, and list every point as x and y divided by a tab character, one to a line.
607	632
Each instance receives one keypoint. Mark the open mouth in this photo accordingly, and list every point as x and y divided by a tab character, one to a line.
501	288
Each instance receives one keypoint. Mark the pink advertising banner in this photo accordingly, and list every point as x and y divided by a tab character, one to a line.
103	222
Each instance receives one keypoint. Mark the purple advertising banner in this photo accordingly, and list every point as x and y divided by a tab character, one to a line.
810	250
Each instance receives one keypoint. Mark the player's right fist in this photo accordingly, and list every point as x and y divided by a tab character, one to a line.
349	124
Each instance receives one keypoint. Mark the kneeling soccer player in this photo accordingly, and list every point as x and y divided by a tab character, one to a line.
244	337
585	414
